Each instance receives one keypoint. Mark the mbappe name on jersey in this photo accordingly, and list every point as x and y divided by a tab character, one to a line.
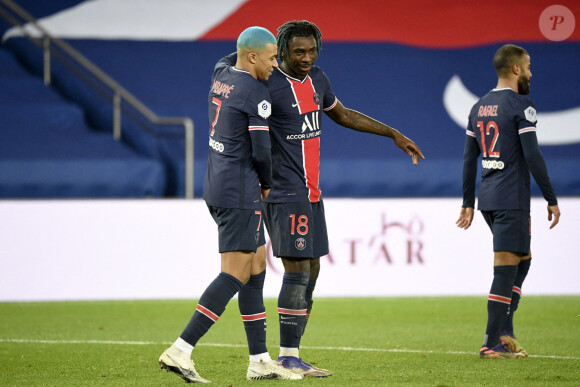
222	88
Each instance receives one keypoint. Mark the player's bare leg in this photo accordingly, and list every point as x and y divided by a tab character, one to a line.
238	264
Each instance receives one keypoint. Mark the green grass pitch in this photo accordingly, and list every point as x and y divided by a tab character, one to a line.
431	341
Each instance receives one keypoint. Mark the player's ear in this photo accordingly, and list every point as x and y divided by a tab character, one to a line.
252	56
516	69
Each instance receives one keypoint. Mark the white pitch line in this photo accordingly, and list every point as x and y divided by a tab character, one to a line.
349	349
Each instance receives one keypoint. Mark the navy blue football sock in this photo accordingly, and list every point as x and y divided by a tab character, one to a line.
210	307
523	268
309	292
292	309
498	302
251	303
309	300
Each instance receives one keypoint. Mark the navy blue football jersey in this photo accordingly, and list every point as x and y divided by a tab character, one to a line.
497	121
295	131
239	106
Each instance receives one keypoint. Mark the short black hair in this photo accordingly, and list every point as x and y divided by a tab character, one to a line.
507	56
297	28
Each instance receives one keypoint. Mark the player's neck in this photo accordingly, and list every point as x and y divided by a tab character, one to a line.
243	63
248	68
286	69
506	83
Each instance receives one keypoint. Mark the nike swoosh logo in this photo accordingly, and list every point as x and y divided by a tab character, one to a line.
296	104
556	128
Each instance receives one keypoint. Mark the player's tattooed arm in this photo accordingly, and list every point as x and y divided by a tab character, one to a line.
357	121
360	122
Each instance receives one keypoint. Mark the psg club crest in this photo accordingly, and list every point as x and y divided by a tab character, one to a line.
300	244
316	98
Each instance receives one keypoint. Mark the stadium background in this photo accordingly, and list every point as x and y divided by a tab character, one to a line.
393	61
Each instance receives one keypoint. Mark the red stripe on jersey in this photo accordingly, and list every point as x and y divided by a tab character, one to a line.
205	311
254	317
470	133
495	297
333	105
304	95
517	290
311	164
297	312
258	128
526	130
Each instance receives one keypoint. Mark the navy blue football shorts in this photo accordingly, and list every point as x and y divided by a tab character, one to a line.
511	229
238	229
297	230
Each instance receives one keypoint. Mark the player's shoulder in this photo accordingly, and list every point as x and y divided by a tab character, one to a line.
317	73
229	73
277	79
222	70
246	84
257	96
481	101
520	99
522	106
505	97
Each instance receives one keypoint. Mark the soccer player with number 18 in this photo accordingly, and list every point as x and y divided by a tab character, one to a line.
294	210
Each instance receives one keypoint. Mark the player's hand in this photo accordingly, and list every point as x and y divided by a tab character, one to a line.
265	193
409	147
465	218
554	212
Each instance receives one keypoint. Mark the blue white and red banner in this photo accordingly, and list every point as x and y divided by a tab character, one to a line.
416	65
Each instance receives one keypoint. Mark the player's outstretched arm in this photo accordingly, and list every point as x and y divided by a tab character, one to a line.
357	121
553	212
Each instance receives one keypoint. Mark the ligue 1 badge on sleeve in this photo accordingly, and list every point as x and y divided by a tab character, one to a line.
531	115
264	109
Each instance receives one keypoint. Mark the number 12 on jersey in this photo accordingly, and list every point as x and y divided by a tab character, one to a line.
485	130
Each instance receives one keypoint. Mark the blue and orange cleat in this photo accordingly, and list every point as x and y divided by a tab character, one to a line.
497	352
297	366
513	345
